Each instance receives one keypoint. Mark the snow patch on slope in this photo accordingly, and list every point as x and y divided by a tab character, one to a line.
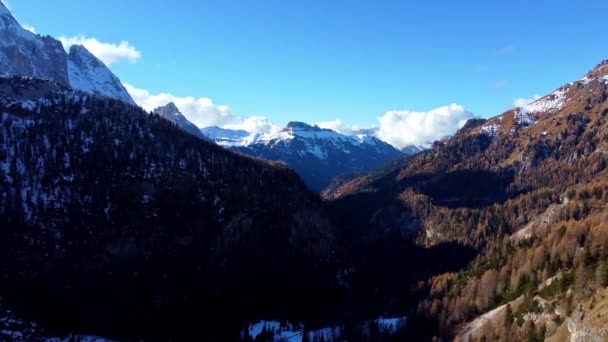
490	130
295	332
281	332
523	118
230	137
550	103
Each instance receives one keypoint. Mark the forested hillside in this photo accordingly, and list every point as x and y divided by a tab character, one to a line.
528	190
115	220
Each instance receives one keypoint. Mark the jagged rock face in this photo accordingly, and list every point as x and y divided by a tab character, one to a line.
170	111
173	114
88	73
24	53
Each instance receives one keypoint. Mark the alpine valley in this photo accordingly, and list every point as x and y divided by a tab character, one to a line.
118	224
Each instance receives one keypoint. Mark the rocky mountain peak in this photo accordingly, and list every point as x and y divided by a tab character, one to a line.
317	154
302	126
170	109
81	55
88	73
173	114
23	53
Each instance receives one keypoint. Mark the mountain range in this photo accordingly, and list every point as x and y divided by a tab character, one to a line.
91	184
317	154
127	224
318	158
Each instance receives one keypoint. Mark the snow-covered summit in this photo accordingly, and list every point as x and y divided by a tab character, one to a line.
24	53
294	130
317	154
87	73
230	137
303	131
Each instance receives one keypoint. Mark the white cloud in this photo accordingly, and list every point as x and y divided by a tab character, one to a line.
340	127
255	124
202	111
398	128
108	53
30	28
402	128
522	102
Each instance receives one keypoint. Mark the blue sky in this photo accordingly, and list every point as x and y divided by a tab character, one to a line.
353	60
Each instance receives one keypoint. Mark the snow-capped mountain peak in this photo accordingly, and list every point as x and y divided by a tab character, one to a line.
24	53
317	154
301	130
230	137
88	73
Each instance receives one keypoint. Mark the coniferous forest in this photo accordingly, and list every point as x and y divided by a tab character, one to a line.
133	225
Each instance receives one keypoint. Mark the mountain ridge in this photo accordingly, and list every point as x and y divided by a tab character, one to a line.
317	154
87	73
526	188
23	53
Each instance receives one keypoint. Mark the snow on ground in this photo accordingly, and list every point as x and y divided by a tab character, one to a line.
325	334
523	118
550	103
295	332
490	130
282	332
78	338
391	324
585	80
